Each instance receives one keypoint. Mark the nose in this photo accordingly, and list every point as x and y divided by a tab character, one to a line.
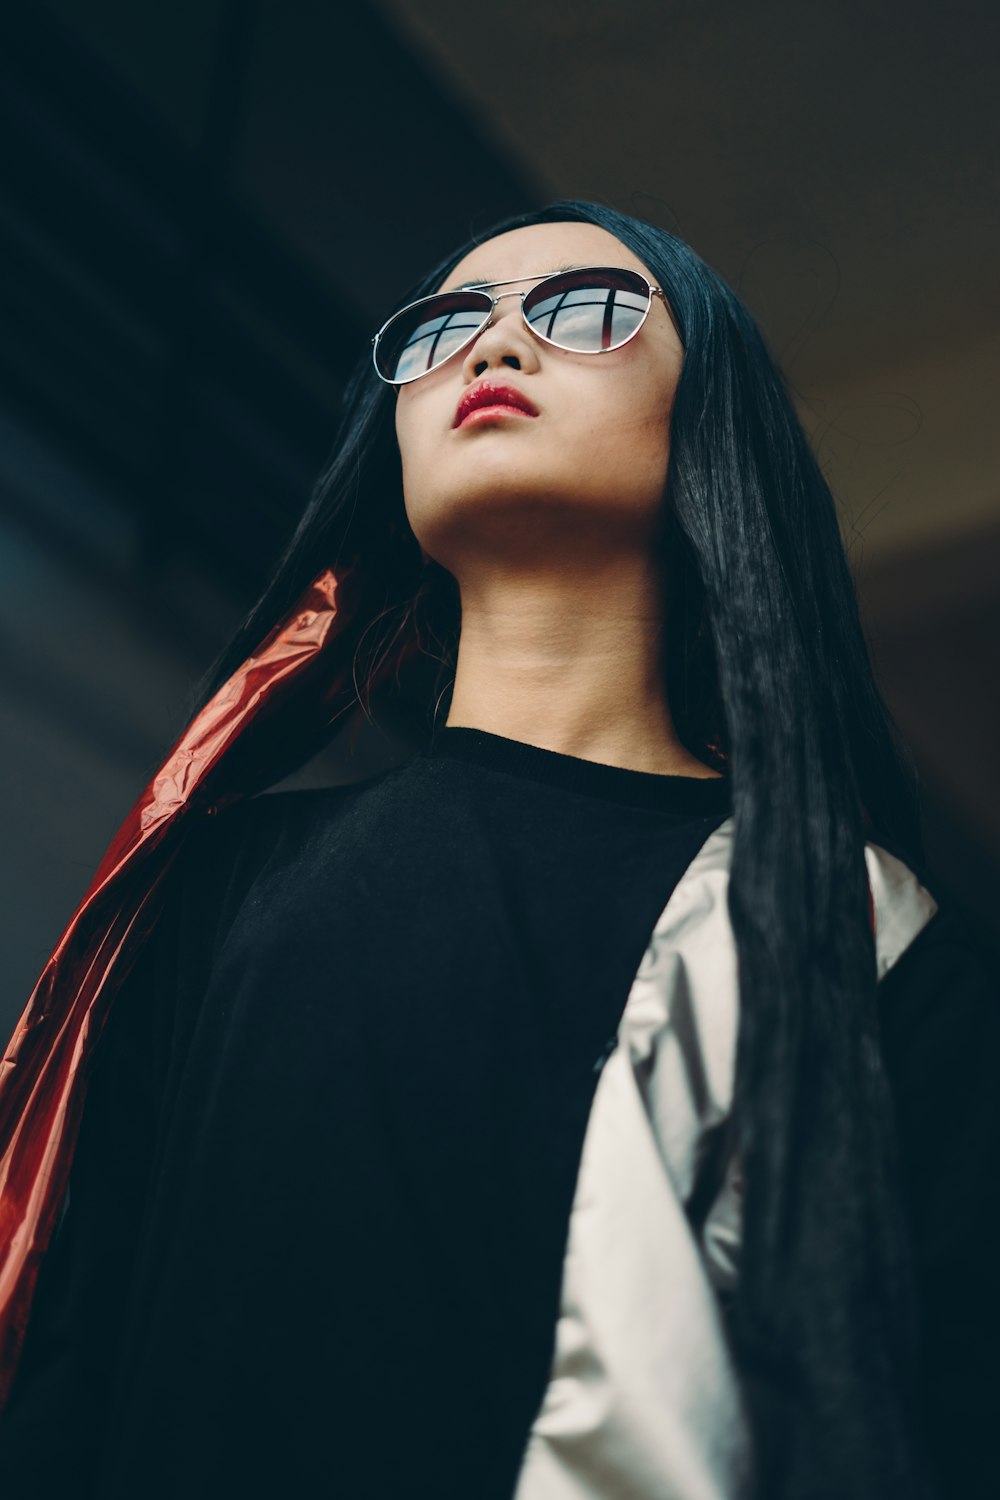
505	341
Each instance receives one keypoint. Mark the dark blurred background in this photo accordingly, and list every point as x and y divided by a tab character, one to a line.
207	207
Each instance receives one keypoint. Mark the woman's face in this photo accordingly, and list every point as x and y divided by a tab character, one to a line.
589	470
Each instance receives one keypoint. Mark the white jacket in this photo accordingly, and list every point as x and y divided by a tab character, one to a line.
643	1400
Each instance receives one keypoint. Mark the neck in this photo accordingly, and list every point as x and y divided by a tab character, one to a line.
572	665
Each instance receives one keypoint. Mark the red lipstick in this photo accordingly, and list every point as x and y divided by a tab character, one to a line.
494	396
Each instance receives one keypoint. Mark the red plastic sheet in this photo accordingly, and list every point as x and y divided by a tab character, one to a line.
262	722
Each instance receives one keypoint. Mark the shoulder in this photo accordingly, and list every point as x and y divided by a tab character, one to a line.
939	1015
941	999
223	850
219	857
943	977
938	993
939	1008
230	835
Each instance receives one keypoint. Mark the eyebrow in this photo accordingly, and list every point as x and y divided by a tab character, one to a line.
467	286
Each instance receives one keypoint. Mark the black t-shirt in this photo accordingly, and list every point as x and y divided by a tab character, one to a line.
320	1199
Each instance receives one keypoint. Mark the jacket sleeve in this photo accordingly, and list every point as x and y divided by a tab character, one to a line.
51	1430
940	1009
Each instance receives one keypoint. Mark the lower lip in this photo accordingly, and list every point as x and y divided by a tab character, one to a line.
481	414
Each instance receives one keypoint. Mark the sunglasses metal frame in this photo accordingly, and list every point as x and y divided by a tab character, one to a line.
481	286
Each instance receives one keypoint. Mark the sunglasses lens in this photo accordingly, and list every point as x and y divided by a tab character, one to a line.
588	310
422	337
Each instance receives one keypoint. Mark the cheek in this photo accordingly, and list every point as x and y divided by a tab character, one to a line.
633	430
419	461
402	428
636	400
407	440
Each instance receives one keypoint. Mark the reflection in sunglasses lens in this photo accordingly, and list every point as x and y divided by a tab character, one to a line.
428	335
580	311
588	313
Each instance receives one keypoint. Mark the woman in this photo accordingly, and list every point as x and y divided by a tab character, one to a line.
330	1221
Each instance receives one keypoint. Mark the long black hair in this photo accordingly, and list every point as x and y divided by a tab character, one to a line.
768	678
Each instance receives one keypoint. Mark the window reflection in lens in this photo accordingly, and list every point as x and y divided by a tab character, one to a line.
588	317
429	338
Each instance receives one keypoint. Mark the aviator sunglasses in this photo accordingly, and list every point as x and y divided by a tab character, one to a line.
588	310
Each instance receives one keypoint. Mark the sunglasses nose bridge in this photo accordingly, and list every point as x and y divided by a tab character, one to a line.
498	296
494	314
498	311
